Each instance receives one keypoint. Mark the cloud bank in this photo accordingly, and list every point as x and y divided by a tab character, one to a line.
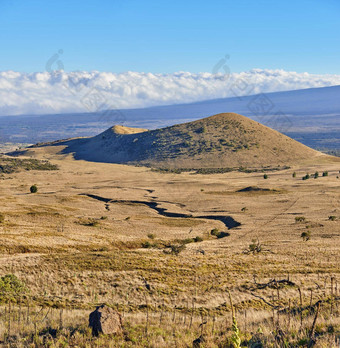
63	92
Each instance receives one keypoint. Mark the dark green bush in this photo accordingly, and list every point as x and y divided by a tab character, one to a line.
306	236
34	189
306	177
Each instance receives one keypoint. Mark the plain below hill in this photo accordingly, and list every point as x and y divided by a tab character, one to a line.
222	141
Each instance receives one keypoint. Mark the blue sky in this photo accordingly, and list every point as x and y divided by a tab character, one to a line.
168	36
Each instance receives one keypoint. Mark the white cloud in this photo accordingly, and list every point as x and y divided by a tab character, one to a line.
60	92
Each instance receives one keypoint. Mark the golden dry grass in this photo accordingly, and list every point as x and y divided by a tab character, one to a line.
75	252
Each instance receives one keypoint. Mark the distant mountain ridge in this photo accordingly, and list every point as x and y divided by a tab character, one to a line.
311	116
220	141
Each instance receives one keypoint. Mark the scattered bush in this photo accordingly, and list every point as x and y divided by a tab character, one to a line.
255	246
214	232
294	175
198	239
219	234
151	236
89	222
306	177
34	189
332	218
316	175
185	241
174	249
300	219
2	218
244	209
325	173
201	130
306	236
10	165
265	176
11	288
147	245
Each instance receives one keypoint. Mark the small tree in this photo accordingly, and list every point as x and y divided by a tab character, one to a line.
34	189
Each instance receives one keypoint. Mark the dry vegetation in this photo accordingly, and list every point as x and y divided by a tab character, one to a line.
213	144
89	237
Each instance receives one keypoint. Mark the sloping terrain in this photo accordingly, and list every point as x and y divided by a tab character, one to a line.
220	141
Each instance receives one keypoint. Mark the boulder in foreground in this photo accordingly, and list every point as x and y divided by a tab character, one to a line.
105	320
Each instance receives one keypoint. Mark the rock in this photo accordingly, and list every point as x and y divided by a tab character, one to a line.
105	320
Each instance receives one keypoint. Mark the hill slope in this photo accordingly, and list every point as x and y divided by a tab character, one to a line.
310	116
220	141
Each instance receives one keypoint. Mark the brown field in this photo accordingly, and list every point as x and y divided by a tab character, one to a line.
97	233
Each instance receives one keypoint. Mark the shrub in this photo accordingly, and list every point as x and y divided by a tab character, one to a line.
214	232
201	130
89	222
146	245
174	249
306	177
306	236
294	175
34	189
151	236
325	173
316	175
219	234
255	246
332	218
300	219
244	209
11	287
265	176
2	218
198	239
185	241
